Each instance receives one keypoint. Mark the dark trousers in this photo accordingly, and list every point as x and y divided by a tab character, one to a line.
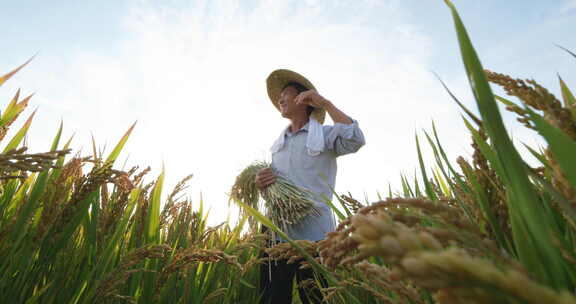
276	277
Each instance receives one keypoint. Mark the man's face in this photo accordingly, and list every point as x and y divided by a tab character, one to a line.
287	103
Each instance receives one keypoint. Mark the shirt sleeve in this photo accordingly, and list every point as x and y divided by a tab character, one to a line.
343	138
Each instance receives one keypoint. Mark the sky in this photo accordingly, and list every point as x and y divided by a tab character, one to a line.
192	74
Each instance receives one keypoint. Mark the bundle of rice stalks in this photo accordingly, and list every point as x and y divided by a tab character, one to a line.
282	202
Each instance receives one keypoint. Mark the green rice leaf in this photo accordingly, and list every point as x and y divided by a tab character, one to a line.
563	203
567	50
562	146
154	212
106	258
538	156
568	97
505	101
340	200
440	180
416	185
30	206
443	178
116	151
52	247
56	140
17	139
35	298
535	249
406	186
439	162
339	213
428	187
461	184
10	111
60	162
474	118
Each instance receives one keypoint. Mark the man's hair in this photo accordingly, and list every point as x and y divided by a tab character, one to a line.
300	88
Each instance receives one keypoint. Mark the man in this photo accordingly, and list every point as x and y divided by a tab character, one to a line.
305	154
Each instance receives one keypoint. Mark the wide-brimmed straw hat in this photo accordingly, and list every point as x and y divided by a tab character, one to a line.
278	79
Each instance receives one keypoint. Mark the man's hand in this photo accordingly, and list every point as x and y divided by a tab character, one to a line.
312	98
265	178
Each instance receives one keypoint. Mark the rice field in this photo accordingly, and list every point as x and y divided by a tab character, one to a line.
490	229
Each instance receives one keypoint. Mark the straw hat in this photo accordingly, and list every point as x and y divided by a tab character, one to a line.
278	79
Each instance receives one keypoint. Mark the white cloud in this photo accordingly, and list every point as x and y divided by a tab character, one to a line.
194	76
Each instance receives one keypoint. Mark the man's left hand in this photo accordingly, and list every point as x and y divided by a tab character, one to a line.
312	98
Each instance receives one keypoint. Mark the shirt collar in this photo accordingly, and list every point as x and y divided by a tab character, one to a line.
304	128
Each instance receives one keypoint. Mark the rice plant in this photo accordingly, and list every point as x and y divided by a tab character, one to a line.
78	230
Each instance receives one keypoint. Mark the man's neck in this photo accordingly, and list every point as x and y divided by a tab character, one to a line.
297	123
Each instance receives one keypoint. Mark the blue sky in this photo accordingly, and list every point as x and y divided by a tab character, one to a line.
58	28
192	73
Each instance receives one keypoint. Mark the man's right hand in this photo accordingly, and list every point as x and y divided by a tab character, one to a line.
264	178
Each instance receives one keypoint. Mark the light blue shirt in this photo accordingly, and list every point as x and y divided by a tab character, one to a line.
293	162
